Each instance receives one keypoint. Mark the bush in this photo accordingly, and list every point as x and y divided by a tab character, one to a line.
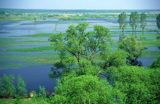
156	64
7	88
42	92
85	89
21	88
117	58
140	85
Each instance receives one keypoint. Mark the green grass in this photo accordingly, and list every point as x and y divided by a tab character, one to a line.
34	49
7	101
151	43
24	101
38	35
7	41
153	54
29	60
29	56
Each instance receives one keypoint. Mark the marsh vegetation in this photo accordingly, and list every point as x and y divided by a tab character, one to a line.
79	57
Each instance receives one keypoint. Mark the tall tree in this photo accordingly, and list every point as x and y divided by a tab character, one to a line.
42	92
158	21
143	17
79	43
156	63
122	20
134	49
134	20
7	88
21	87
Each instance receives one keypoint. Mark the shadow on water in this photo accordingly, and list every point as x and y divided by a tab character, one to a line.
146	61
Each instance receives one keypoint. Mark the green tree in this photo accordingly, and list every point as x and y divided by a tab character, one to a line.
87	68
117	59
7	88
21	88
156	64
134	20
158	21
42	92
58	99
77	43
143	23
122	20
155	84
134	49
86	89
134	82
18	101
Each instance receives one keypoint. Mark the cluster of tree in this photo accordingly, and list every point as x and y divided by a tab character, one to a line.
140	86
92	73
134	20
8	88
11	88
134	49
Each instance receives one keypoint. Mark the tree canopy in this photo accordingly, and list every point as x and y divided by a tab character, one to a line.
134	49
134	21
86	89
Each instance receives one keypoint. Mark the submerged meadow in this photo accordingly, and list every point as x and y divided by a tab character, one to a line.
79	56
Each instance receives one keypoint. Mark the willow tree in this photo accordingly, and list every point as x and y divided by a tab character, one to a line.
122	20
7	88
143	23
78	43
134	20
21	88
158	21
134	49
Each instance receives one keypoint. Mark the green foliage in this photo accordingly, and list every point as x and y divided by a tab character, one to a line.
117	58
134	20
85	89
135	83
158	21
7	88
122	20
58	99
18	101
78	44
143	23
21	88
156	64
155	84
87	68
133	47
42	92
